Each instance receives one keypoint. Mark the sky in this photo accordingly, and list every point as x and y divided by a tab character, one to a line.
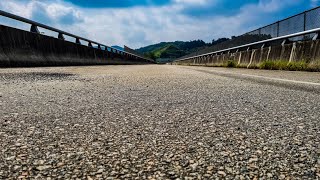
138	23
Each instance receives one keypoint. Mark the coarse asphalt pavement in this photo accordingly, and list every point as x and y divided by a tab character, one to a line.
158	122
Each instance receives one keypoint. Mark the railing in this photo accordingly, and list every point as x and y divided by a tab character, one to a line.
262	44
61	34
304	21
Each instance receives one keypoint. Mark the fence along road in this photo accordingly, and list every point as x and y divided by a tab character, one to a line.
301	22
304	21
262	43
297	51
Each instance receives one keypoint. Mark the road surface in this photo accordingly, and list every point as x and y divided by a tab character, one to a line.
159	122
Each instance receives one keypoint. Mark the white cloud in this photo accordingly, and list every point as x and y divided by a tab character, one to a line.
192	2
20	8
58	11
140	26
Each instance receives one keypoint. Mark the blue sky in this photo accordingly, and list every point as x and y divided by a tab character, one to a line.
118	4
138	23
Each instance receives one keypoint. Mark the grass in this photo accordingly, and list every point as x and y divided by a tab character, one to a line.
284	65
273	65
231	64
270	65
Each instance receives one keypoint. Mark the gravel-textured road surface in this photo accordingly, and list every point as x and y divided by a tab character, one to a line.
157	122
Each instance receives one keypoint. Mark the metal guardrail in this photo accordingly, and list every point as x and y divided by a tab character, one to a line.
61	34
262	43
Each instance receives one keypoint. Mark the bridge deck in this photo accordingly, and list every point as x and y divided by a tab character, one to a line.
158	121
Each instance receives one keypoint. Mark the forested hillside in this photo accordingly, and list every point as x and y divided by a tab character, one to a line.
177	49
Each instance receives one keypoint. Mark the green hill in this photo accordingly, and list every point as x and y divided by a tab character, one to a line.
172	50
177	49
168	51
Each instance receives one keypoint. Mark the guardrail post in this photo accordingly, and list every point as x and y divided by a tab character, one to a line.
111	53
269	52
239	60
293	52
78	41
90	44
315	37
261	52
284	42
251	58
107	52
60	36
208	59
222	54
34	29
99	46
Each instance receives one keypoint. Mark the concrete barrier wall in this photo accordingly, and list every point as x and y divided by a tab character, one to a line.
307	52
20	48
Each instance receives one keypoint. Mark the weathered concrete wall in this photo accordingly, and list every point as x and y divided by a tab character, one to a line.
20	48
308	52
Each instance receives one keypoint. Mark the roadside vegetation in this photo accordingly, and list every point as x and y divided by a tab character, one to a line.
269	65
284	65
289	66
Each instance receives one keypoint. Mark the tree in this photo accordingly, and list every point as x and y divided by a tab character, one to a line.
218	41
